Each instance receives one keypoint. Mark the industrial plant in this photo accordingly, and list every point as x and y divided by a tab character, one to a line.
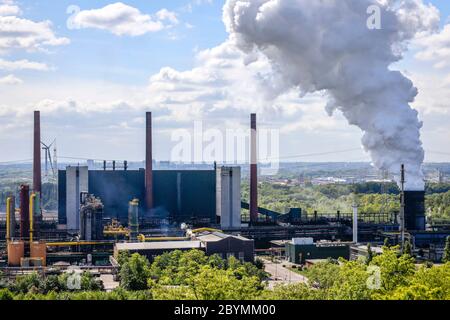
104	212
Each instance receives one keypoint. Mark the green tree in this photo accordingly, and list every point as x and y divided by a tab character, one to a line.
369	254
134	273
446	255
407	248
394	269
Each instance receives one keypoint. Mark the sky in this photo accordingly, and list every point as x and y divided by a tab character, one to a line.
94	68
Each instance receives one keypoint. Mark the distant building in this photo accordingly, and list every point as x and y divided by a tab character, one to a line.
301	249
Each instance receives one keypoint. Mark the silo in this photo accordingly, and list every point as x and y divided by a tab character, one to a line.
39	250
16	251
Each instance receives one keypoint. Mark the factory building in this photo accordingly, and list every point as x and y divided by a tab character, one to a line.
210	242
228	193
301	249
415	210
178	195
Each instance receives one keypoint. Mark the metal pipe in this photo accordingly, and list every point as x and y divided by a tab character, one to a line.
148	163
8	218
78	243
37	174
142	238
253	172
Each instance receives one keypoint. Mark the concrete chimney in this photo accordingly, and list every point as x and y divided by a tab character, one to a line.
253	172
37	178
148	163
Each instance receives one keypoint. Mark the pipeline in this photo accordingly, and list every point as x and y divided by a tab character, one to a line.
78	243
8	218
142	238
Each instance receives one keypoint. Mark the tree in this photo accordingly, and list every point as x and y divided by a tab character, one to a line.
394	269
369	254
134	273
446	255
407	248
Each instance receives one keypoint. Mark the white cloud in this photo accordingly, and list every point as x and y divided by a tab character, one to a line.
10	80
435	48
121	19
9	9
19	33
22	65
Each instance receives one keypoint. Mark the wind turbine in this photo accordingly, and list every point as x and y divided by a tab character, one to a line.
48	157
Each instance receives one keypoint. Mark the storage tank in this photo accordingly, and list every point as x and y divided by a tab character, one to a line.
39	250
16	251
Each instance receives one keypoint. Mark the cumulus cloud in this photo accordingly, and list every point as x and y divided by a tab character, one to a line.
22	65
124	20
435	48
10	80
20	33
9	9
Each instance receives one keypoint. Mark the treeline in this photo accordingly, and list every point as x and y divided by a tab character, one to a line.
371	198
194	276
49	195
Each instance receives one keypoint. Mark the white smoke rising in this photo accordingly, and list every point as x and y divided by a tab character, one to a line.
326	46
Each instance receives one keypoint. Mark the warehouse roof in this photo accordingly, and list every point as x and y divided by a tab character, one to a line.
218	236
159	245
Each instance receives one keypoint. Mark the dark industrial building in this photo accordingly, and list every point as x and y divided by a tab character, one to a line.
174	196
299	252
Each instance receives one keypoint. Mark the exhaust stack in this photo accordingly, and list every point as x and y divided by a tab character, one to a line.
37	175
253	172
148	163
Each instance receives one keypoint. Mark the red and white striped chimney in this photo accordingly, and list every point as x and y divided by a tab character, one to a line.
37	174
253	172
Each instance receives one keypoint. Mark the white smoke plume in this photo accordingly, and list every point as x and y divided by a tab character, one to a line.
326	46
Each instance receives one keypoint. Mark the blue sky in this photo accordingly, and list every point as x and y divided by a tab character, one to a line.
97	69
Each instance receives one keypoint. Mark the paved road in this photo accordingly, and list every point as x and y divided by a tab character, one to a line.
282	275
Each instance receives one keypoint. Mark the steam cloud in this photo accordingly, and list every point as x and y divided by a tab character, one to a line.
326	46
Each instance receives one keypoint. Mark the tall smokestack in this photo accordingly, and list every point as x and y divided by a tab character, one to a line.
148	163
24	211
253	172
37	178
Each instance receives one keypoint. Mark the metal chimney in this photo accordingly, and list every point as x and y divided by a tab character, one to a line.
148	163
253	172
37	178
24	211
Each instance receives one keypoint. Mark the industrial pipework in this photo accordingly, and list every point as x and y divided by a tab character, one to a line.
143	238
34	208
10	218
